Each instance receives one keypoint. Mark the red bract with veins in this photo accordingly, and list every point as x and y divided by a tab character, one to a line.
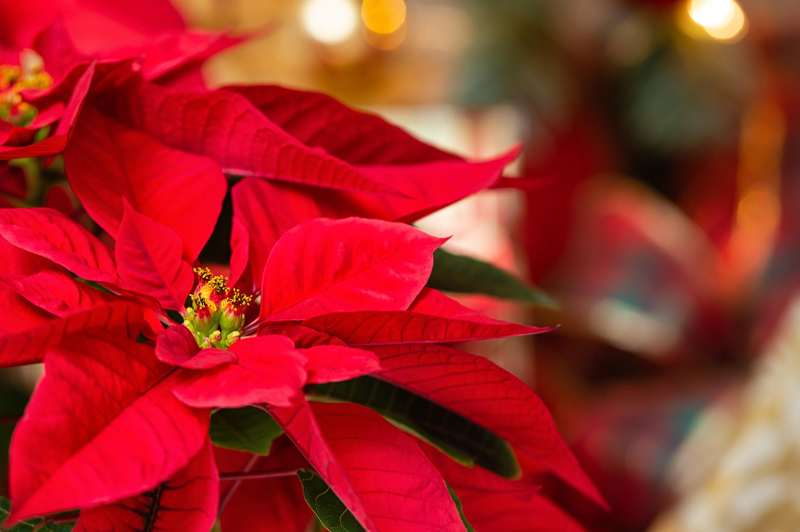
131	125
324	322
137	432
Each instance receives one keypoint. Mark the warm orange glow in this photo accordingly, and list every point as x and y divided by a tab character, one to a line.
758	212
723	20
386	41
383	16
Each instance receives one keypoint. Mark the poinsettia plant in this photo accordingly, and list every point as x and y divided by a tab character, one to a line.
238	325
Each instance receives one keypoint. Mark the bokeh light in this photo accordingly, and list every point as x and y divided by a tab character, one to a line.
723	20
330	21
383	16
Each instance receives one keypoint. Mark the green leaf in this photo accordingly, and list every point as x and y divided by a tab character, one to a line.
5	509
452	433
244	429
460	510
330	510
61	527
22	526
30	524
457	273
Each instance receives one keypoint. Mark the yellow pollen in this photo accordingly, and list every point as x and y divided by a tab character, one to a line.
236	299
15	79
201	302
204	274
219	284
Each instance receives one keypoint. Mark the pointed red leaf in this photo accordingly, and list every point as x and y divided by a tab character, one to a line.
97	26
17	261
302	337
59	293
228	128
318	120
270	370
324	266
58	141
432	318
82	307
437	184
490	512
333	363
377	471
186	502
177	347
26	331
171	51
149	258
329	359
118	428
300	425
489	396
270	209
107	161
52	235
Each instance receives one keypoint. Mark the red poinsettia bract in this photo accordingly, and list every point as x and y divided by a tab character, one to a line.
339	299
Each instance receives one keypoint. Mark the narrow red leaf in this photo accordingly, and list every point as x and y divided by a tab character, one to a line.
107	162
302	337
52	235
437	184
119	430
28	331
333	363
269	370
428	188
432	318
149	258
65	296
300	425
377	470
176	49
187	502
59	293
329	359
490	512
318	120
17	261
491	397
228	128
18	315
177	347
324	266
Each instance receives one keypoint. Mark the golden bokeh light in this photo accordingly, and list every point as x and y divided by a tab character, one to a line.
723	20
383	16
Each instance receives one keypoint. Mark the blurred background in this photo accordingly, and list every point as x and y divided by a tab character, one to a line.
660	178
661	172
